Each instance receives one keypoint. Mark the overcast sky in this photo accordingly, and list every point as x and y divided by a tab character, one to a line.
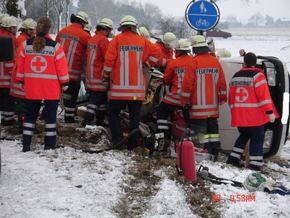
275	8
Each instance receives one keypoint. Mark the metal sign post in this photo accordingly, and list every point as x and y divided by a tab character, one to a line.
202	15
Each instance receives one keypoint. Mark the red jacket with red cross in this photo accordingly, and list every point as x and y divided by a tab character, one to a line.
42	72
249	98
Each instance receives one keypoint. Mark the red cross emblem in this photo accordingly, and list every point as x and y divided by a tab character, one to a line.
38	64
241	94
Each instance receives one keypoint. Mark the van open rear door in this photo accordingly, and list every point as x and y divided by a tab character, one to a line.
278	82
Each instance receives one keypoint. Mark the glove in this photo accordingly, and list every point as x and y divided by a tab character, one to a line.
106	82
64	88
272	118
186	106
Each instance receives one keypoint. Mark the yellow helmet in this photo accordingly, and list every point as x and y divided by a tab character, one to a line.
9	22
83	16
107	23
142	31
28	24
128	20
182	45
198	41
168	38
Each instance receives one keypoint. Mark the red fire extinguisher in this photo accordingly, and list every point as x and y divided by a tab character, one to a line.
185	160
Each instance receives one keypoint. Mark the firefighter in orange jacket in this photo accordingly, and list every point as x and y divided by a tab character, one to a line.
173	76
27	30
251	108
123	73
42	68
97	48
74	40
166	46
203	90
7	102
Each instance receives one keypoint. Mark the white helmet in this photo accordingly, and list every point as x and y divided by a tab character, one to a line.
88	27
28	24
2	16
83	16
142	31
168	38
198	41
9	22
106	23
182	45
128	20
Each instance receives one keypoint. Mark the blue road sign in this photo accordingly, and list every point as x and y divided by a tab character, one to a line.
202	15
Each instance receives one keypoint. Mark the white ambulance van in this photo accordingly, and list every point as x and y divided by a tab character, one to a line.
278	81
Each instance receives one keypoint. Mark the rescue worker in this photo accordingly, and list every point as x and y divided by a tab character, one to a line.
242	52
124	77
88	28
173	77
97	48
165	45
251	108
142	31
27	30
7	102
74	40
202	91
43	70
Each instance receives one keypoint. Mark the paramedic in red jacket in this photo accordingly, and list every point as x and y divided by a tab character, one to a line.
74	40
204	89
42	68
97	48
7	102
123	69
173	76
27	30
251	108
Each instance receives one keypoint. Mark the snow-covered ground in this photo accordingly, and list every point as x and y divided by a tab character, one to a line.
70	183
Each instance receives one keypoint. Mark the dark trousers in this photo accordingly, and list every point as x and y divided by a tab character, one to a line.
70	105
7	105
20	110
97	107
114	109
256	136
32	108
164	115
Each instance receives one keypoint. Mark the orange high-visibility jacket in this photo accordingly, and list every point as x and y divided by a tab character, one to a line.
6	67
249	98
123	65
16	88
43	73
74	41
96	51
174	75
166	55
205	87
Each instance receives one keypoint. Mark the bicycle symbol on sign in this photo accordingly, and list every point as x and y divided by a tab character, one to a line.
202	23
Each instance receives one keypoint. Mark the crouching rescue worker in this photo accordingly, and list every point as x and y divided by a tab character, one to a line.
43	70
251	108
124	76
203	89
97	48
173	76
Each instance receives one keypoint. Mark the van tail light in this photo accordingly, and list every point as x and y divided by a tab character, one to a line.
271	76
268	138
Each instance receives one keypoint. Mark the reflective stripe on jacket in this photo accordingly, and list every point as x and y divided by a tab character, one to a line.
205	87
174	75
97	48
123	65
249	98
43	72
74	41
